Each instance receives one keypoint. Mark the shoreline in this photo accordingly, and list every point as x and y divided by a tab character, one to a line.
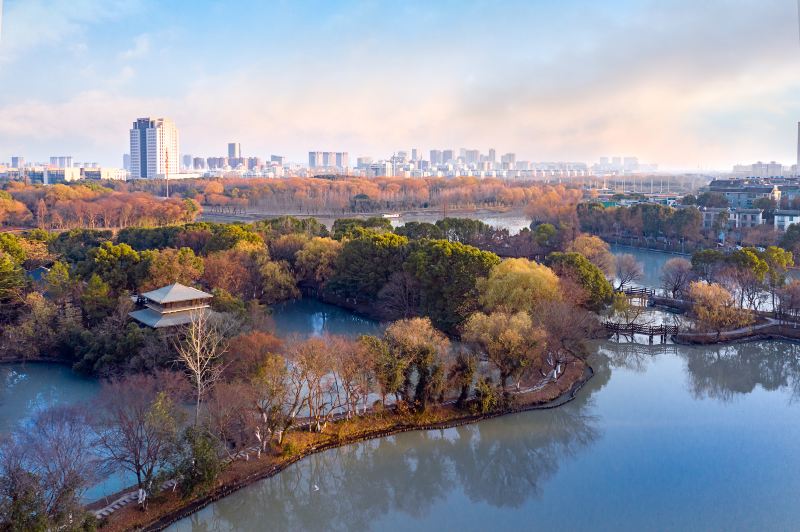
160	521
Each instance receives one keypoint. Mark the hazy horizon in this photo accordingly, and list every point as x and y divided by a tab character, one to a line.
675	83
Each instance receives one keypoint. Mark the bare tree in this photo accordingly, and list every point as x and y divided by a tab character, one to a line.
200	351
352	364
232	418
136	425
629	270
399	297
47	465
676	275
321	383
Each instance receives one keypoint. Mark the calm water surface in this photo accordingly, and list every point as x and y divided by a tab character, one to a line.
28	388
662	438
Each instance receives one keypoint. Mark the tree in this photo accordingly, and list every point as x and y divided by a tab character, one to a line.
198	461
278	283
448	273
136	422
676	274
584	275
247	352
462	373
316	261
518	285
355	227
512	343
12	282
417	230
200	349
400	296
285	247
117	265
314	362
714	308
388	366
365	265
96	300
629	270
425	351
778	261
597	251
46	468
167	266
352	364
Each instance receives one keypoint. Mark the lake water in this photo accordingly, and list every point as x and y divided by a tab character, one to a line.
652	263
28	388
662	438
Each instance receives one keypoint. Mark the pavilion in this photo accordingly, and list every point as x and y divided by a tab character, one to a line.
170	306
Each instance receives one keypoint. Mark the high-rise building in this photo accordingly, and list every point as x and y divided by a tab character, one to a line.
186	161
342	160
436	157
126	161
198	163
414	155
61	161
280	160
508	158
314	159
492	155
234	150
17	161
447	156
155	149
472	156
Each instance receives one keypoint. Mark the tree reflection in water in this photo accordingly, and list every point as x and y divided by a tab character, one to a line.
502	462
724	372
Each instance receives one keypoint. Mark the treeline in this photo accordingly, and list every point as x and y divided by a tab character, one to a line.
359	195
645	220
88	205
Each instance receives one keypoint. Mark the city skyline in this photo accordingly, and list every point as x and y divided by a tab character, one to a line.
551	83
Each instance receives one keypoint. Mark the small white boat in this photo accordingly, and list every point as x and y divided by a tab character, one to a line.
391	215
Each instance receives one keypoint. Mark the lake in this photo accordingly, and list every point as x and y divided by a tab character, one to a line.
662	438
28	388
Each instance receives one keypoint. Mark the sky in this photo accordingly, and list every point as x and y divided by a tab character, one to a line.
686	84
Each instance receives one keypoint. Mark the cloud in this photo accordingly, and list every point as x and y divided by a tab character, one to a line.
141	46
680	83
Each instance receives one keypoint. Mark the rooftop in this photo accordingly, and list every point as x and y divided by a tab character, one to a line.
175	292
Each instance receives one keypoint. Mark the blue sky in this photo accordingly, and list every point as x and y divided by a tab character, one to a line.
684	83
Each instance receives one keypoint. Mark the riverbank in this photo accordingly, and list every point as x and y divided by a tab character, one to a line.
168	508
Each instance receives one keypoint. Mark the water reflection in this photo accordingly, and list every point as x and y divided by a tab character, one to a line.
730	371
502	462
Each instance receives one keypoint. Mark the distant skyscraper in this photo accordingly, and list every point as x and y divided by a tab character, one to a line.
234	150
509	158
186	161
342	160
277	159
492	155
61	161
155	149
447	156
314	159
414	154
126	161
17	161
436	157
198	163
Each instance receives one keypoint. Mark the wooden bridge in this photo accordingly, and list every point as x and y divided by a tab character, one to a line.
662	331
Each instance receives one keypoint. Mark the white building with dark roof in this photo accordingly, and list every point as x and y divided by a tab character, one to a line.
171	306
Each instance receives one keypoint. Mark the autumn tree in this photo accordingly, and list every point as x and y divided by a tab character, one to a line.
714	308
316	261
518	285
512	343
597	251
163	267
425	351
